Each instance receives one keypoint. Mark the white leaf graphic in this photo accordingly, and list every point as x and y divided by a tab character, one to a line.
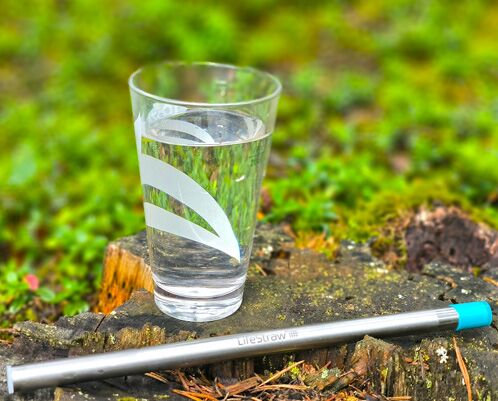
185	127
157	118
168	179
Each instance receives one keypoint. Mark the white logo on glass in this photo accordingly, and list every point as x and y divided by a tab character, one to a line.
166	178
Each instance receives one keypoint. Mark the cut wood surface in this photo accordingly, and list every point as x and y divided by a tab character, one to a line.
286	287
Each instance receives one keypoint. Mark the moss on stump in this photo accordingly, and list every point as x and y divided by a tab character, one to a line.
287	287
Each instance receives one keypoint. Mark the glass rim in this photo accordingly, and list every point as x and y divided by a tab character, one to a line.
149	95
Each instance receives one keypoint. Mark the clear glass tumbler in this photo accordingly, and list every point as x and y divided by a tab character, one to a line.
203	135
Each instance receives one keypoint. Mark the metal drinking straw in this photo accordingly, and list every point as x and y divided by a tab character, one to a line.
197	352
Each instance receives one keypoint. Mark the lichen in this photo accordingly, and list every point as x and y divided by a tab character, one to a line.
383	374
295	372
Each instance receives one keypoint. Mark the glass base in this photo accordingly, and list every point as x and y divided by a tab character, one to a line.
198	309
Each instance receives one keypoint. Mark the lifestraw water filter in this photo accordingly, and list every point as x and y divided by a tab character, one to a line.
198	352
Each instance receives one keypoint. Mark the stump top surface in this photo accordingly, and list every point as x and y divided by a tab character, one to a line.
300	287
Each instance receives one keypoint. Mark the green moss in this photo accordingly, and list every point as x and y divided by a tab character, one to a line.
407	117
376	273
383	217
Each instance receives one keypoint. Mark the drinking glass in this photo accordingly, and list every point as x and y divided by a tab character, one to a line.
203	136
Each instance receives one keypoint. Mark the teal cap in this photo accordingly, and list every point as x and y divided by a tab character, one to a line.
473	314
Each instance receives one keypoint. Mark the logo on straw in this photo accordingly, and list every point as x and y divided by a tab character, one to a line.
263	338
267	338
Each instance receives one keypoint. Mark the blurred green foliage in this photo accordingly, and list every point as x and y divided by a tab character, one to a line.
387	104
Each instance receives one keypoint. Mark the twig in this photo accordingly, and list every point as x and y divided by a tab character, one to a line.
217	386
260	269
195	396
242	386
448	280
186	394
157	376
346	373
490	280
183	379
206	389
278	374
279	386
463	369
400	398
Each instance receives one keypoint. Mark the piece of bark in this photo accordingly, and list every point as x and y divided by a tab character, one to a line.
307	288
448	235
126	268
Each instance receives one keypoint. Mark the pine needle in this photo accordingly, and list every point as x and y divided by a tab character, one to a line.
463	369
242	386
279	386
491	281
157	376
195	396
260	269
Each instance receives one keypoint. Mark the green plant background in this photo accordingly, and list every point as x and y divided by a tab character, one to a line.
387	105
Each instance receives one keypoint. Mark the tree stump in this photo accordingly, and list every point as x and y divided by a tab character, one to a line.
286	287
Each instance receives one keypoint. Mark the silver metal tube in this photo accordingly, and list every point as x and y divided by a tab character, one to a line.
197	352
